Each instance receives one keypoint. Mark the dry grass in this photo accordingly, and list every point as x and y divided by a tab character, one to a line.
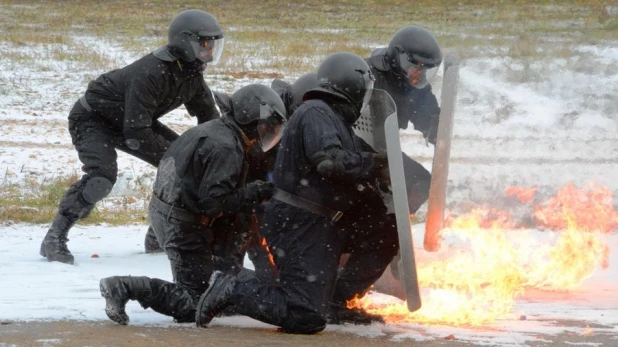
291	37
36	201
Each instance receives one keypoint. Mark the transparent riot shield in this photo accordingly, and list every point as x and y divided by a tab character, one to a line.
442	152
379	127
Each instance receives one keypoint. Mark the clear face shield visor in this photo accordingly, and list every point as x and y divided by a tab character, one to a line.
418	74
270	127
369	80
208	50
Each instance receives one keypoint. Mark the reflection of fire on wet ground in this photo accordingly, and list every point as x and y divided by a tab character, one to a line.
487	260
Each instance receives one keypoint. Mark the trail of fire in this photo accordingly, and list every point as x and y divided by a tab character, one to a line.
477	279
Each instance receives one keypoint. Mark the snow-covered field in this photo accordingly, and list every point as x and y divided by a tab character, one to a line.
541	124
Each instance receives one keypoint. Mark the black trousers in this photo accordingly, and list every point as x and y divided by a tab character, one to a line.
307	249
418	181
189	249
96	142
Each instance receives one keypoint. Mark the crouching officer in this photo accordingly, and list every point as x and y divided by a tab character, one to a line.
199	189
404	70
317	212
120	111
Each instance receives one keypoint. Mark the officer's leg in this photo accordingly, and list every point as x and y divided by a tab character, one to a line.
188	250
372	243
418	181
306	249
151	244
94	145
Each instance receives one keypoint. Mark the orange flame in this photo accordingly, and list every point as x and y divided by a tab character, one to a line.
271	260
524	195
356	302
478	283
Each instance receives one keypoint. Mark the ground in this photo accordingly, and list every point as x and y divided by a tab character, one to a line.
72	333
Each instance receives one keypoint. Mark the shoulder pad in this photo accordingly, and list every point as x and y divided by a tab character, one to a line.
164	54
378	59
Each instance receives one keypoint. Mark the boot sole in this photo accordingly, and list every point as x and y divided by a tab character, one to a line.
112	312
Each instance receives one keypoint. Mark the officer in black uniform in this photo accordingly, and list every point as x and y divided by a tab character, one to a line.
404	70
198	193
120	111
317	213
261	169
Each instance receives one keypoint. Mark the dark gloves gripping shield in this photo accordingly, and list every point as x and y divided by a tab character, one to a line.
262	190
380	171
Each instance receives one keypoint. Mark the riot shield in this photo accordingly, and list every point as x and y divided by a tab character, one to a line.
442	152
380	129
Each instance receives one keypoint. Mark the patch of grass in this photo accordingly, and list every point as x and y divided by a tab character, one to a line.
36	201
285	36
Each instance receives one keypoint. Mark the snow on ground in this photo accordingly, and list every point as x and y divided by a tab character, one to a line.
33	290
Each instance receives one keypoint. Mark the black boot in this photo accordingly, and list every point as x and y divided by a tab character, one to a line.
216	299
151	245
118	290
340	314
54	245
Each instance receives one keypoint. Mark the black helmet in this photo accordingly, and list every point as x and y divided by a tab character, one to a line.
260	113
415	52
195	34
346	75
292	94
302	85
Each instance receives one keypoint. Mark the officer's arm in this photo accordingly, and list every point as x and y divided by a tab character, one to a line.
323	149
140	102
425	113
203	105
218	193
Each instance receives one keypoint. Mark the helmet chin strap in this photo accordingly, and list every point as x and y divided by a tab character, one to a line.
248	144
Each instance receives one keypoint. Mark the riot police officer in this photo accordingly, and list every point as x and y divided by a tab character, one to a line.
404	69
198	195
120	111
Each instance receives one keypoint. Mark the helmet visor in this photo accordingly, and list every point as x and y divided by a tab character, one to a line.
369	80
418	74
208	50
270	127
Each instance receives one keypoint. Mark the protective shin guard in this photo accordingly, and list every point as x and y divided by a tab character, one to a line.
54	245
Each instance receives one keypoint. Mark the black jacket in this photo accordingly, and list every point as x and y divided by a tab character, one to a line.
134	97
320	125
413	105
204	171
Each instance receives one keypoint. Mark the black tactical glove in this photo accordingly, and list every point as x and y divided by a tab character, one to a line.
326	166
380	169
380	161
263	190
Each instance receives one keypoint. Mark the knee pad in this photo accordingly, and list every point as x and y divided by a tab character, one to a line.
96	189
